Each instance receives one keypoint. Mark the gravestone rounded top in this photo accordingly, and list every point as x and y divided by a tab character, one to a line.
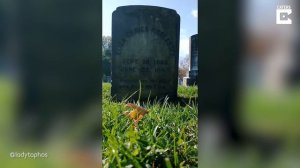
144	7
194	36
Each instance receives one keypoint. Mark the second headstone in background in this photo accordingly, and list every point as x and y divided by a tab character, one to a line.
193	72
145	51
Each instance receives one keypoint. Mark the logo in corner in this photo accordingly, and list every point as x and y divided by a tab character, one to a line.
283	13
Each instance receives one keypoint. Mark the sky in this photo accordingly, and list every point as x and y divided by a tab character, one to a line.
187	9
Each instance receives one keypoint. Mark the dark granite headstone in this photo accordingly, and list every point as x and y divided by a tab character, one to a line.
59	61
294	76
193	72
220	44
145	50
107	79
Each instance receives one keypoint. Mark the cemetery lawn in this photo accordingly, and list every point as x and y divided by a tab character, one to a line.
187	92
166	137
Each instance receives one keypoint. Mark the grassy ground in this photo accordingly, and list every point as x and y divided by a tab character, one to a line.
187	92
262	113
166	137
62	153
272	115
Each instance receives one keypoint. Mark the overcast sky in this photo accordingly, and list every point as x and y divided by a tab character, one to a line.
187	9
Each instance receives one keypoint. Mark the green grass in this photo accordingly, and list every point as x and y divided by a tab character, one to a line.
272	115
262	113
187	92
166	137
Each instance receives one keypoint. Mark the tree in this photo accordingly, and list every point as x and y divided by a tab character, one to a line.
184	67
106	42
106	55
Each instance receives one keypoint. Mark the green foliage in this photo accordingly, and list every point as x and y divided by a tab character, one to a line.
166	137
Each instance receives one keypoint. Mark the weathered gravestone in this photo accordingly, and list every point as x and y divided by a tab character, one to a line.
296	70
193	72
294	78
59	63
145	50
220	44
